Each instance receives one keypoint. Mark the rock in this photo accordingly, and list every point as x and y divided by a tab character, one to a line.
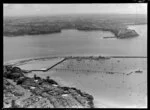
126	33
12	72
54	85
64	95
15	75
65	88
16	70
4	69
50	81
21	80
32	87
14	105
45	93
8	68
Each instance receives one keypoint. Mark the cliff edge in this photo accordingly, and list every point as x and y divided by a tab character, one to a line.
20	91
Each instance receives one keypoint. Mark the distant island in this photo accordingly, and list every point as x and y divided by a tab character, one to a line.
117	24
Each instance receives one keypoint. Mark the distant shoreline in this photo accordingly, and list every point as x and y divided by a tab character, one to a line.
17	61
115	32
60	31
47	25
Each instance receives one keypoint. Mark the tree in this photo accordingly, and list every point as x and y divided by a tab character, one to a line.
47	77
35	76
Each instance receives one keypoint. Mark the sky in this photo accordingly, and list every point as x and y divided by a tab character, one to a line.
54	9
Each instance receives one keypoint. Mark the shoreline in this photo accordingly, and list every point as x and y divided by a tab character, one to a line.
13	62
78	58
120	31
120	34
37	87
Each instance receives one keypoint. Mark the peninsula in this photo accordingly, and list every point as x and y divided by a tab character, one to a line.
117	24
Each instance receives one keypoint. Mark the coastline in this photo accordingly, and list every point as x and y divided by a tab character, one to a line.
119	29
122	33
37	86
75	58
63	82
17	61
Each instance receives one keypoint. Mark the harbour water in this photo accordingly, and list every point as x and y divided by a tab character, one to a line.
74	42
117	90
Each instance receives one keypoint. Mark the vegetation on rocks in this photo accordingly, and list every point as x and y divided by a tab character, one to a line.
43	92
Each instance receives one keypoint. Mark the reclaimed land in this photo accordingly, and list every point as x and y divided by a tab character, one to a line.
117	24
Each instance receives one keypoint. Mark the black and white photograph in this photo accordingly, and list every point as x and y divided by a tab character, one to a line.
75	55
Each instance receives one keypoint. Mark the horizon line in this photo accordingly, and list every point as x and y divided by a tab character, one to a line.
41	15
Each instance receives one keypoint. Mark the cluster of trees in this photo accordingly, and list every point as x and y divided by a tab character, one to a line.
47	25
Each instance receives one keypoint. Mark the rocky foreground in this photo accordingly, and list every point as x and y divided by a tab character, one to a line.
21	91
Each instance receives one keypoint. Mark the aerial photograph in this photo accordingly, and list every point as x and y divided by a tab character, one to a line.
79	55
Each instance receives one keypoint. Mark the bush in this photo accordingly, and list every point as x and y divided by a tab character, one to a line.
21	80
34	76
51	81
16	69
7	68
47	77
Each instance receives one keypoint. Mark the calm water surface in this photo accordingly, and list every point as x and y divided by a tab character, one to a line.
74	42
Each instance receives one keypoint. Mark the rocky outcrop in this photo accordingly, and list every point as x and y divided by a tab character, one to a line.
12	72
36	92
126	33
